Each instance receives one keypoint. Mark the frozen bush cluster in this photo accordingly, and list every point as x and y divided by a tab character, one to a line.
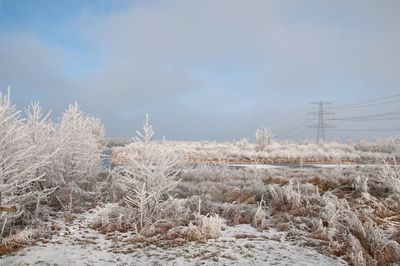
22	162
39	159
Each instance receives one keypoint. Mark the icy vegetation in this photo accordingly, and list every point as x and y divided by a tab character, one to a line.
263	138
190	203
45	166
147	174
284	152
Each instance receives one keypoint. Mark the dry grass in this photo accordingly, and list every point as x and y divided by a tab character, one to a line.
18	240
115	218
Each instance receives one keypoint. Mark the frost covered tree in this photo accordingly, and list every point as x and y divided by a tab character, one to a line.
41	133
39	159
79	161
263	138
148	173
22	161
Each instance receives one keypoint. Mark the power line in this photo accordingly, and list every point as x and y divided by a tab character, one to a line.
297	132
367	105
380	116
367	102
303	121
368	119
368	130
296	128
320	116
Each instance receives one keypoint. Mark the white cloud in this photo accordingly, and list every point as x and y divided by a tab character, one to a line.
150	53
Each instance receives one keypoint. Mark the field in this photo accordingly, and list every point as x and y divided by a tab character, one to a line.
346	210
68	199
221	213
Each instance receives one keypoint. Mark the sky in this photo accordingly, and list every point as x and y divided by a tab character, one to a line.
205	69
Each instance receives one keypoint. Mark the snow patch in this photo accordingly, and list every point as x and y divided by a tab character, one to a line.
77	244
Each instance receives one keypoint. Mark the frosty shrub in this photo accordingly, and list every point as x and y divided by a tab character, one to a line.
396	152
210	226
43	134
260	218
205	227
39	159
23	158
354	233
148	174
390	175
263	138
288	196
114	218
78	163
360	184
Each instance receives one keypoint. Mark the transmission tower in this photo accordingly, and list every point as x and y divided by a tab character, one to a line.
321	118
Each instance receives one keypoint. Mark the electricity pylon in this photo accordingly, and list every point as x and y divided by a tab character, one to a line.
321	124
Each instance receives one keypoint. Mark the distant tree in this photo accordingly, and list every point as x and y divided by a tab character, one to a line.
263	138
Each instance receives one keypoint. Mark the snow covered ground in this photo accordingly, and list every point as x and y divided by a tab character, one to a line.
305	166
77	244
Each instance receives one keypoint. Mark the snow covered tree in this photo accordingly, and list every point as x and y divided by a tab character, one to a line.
21	164
79	161
43	135
148	173
263	138
39	159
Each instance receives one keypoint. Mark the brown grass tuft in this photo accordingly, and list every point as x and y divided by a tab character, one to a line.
275	180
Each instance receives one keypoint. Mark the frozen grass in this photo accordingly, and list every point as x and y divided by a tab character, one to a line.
210	226
391	175
76	244
349	213
277	152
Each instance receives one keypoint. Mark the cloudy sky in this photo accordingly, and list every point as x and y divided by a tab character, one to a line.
205	69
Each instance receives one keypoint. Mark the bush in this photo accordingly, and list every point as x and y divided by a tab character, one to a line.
41	161
148	174
263	138
22	164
